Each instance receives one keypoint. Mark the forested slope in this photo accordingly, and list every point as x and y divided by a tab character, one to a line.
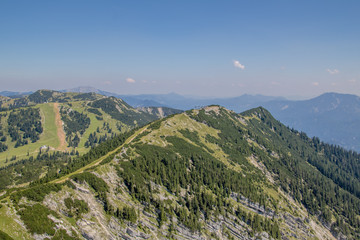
42	131
203	174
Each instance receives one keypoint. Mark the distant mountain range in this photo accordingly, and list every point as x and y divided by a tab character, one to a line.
88	89
11	94
174	100
333	117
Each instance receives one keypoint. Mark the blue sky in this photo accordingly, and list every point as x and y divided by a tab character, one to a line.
205	48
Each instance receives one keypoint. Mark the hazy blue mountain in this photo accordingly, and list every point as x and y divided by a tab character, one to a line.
177	101
88	89
14	94
245	102
332	117
173	100
133	100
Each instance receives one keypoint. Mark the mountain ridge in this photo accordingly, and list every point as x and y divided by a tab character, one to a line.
205	173
331	116
49	120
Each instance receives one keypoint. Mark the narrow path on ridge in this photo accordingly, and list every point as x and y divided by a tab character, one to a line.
98	161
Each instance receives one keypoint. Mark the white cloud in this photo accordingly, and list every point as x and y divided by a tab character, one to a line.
333	71
107	82
238	65
130	80
352	80
275	83
315	83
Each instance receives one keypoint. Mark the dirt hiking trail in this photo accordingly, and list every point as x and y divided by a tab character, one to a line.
60	130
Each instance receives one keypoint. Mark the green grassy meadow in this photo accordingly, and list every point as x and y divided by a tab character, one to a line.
48	137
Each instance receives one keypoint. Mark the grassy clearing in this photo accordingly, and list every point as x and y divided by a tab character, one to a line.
10	226
94	124
104	169
50	130
171	127
48	137
272	193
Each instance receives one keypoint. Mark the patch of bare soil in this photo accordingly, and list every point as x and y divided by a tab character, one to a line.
60	130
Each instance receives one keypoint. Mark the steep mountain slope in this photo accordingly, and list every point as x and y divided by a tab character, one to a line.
332	117
50	121
203	174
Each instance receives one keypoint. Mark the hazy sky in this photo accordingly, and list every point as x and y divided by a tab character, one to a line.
207	48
